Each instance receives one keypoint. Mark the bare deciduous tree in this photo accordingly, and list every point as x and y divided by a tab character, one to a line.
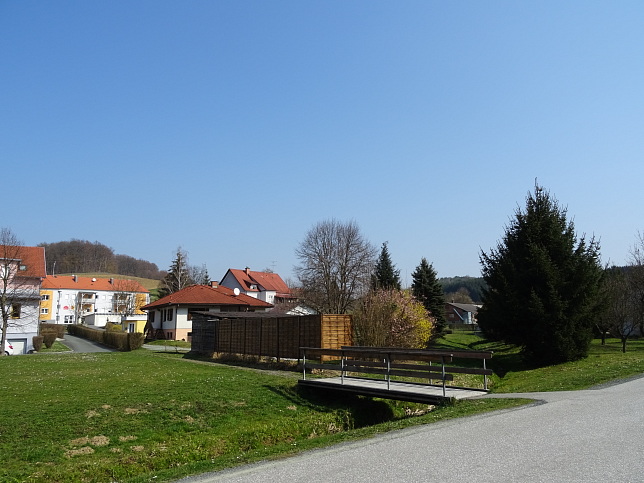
128	298
336	263
620	310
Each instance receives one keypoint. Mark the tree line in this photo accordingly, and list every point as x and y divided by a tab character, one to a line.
82	256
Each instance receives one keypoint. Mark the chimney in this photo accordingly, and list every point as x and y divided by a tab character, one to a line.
247	270
112	281
214	284
74	278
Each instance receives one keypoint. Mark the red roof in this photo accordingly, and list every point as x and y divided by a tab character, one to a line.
33	258
207	295
268	281
74	282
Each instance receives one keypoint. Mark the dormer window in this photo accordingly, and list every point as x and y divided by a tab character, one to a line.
23	268
253	286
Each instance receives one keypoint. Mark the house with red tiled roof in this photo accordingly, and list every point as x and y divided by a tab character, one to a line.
21	272
265	286
72	299
170	317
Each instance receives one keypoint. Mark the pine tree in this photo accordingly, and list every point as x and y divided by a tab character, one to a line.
426	288
178	276
385	275
543	284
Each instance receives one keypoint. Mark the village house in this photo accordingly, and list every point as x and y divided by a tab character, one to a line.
21	272
266	286
170	317
461	313
72	299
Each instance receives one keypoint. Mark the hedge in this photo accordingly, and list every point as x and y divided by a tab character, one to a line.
123	341
58	328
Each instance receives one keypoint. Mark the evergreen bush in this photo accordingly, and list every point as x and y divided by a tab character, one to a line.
37	341
49	338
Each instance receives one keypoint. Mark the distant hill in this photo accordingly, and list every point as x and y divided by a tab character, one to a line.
82	256
472	286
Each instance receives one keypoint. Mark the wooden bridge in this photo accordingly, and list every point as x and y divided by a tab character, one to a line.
394	373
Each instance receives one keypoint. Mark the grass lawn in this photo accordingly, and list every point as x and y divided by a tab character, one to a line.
141	416
604	363
56	347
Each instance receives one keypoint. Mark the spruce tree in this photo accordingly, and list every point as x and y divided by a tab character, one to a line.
429	292
543	284
385	276
178	277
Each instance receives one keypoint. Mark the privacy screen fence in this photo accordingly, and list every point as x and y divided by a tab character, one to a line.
268	336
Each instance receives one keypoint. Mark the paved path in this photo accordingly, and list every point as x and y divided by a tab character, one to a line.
79	344
595	435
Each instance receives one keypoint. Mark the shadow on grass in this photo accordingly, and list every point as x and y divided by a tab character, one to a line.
360	411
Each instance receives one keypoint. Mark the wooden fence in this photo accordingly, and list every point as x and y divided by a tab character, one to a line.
264	335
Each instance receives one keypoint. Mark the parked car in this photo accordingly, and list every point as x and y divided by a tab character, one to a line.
8	348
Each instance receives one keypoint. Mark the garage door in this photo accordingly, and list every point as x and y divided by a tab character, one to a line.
19	345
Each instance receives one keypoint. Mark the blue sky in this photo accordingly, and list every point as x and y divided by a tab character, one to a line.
230	128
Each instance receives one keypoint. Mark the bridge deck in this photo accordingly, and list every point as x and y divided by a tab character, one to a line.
402	391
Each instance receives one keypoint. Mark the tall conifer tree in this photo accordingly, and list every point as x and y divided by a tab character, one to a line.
429	292
543	284
385	275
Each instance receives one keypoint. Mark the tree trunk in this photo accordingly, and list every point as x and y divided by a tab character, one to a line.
624	344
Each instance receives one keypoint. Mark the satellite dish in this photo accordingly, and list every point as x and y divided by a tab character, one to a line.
236	291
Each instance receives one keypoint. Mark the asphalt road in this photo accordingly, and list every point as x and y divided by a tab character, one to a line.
78	344
595	435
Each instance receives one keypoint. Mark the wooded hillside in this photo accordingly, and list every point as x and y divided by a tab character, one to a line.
82	256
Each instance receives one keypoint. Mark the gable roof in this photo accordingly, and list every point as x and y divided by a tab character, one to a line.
267	281
207	295
465	307
33	258
74	282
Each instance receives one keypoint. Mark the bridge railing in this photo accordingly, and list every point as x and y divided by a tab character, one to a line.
434	366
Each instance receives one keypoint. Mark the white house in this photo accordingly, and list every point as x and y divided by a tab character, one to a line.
70	299
265	286
21	272
170	317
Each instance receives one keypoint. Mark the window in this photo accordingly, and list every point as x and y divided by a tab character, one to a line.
23	268
44	297
44	311
15	311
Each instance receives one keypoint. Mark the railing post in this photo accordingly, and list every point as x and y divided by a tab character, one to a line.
484	376
304	365
342	367
443	373
388	371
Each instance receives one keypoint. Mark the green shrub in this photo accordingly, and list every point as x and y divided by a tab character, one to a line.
112	327
37	341
59	329
117	339
49	338
135	340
